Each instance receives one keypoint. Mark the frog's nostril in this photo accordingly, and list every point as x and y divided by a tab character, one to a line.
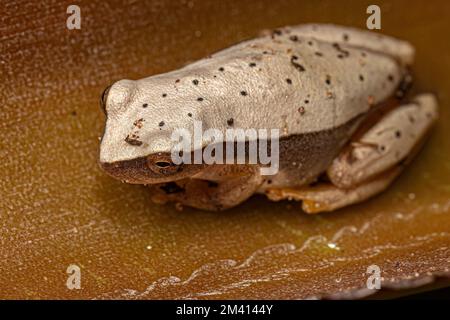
103	98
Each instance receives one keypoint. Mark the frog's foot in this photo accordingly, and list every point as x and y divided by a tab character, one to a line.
327	197
213	190
372	161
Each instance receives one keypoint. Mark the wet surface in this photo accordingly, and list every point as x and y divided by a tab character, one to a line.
58	208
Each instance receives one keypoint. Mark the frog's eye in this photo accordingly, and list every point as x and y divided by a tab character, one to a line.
103	98
163	166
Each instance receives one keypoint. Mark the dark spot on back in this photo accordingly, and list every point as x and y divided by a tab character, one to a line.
133	140
301	110
200	99
161	123
145	105
139	123
293	38
195	82
252	64
230	122
342	53
289	81
189	114
297	65
164	95
243	93
361	77
221	69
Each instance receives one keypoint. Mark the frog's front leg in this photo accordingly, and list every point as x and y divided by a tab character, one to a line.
372	161
217	188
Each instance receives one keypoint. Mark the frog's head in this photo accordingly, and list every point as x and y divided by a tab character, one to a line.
137	143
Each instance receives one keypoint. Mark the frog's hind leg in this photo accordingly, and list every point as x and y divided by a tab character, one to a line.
394	139
372	160
328	197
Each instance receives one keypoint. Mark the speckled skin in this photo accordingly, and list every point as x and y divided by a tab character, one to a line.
316	83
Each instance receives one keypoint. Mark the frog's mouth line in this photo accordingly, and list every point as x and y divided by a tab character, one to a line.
149	170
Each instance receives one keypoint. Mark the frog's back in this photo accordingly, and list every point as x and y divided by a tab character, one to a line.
298	79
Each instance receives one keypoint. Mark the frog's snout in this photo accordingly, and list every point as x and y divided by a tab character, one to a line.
155	168
117	96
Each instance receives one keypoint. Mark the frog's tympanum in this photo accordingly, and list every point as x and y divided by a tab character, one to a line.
338	96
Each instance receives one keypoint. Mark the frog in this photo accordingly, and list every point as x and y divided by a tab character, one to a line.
339	96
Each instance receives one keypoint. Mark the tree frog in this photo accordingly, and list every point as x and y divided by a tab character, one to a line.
338	96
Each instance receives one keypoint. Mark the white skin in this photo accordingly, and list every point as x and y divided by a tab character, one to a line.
337	95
